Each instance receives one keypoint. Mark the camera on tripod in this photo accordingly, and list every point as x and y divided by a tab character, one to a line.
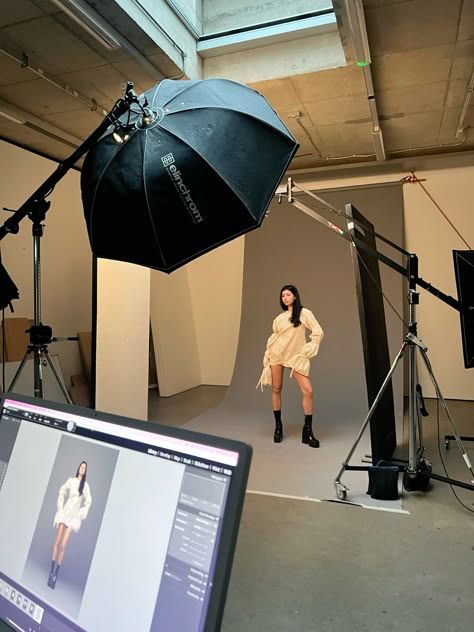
40	334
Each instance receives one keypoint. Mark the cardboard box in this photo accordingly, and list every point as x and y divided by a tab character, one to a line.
78	379
16	338
80	395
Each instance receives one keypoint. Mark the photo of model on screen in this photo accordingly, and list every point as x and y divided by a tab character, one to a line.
73	504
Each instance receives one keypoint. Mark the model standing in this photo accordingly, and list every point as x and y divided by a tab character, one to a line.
69	516
287	346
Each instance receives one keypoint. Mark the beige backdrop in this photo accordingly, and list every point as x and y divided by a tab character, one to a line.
291	247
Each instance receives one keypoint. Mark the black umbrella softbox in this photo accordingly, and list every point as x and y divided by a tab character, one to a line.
202	173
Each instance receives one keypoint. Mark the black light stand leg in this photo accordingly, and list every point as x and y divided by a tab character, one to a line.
417	470
341	489
62	386
40	354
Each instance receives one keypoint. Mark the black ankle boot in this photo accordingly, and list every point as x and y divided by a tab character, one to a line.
307	435
51	573
278	434
54	577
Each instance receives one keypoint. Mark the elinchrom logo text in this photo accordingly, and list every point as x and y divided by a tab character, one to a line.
175	175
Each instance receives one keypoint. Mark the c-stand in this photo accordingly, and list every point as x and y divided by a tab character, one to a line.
417	471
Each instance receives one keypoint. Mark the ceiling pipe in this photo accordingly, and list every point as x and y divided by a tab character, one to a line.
465	105
37	123
21	117
358	29
296	115
24	62
9	115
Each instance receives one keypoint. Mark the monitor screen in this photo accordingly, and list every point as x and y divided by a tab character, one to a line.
107	523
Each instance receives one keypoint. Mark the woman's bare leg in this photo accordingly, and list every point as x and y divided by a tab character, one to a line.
63	544
277	385
57	540
306	390
55	554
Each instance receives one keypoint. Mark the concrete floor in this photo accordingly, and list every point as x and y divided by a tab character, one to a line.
311	567
181	408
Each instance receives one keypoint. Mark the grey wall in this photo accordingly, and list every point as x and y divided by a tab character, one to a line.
291	247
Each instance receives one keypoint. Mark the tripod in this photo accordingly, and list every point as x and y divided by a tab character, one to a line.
39	335
417	471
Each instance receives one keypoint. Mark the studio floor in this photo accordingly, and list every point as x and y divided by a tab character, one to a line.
310	566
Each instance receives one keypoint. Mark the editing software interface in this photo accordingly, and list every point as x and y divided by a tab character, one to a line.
103	526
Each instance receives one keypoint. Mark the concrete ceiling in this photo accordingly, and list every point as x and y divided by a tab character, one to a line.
422	61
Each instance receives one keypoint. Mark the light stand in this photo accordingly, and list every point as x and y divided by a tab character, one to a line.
35	209
39	335
418	471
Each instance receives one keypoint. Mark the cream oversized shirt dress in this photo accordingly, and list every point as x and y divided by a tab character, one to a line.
74	510
288	346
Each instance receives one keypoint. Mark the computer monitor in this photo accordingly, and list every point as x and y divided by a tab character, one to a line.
464	273
111	524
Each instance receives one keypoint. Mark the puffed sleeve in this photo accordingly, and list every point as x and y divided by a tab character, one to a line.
301	362
311	348
62	494
86	502
266	377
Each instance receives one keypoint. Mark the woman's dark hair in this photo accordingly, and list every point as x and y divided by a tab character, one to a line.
83	479
297	307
